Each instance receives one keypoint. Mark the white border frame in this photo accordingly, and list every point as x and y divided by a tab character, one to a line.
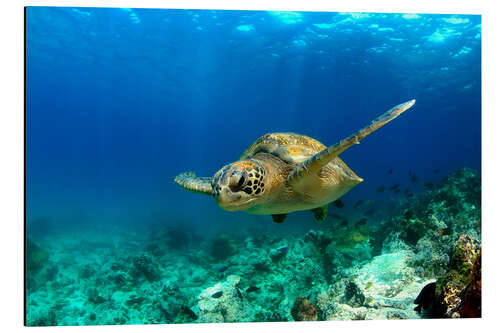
12	171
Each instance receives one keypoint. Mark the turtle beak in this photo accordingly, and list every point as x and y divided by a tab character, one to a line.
226	199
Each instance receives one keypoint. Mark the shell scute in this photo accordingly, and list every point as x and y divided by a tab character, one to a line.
290	147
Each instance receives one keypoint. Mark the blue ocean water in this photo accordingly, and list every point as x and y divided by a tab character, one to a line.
120	101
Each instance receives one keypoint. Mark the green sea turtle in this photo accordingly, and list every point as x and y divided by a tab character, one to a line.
286	172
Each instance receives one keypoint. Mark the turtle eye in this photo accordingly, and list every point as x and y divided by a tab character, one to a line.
241	181
237	182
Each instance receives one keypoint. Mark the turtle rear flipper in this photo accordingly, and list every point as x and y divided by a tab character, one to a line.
314	164
190	182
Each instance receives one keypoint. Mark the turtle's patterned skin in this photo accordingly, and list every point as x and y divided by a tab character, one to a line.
286	172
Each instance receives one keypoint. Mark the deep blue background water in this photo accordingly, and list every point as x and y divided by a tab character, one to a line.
119	101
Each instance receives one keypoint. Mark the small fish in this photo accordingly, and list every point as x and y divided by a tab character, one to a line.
426	297
407	190
338	203
397	191
283	249
394	187
413	176
390	171
217	294
358	203
436	171
252	289
370	212
380	189
361	222
429	185
344	223
410	195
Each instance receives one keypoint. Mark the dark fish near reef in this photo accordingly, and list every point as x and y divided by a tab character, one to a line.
217	294
407	190
397	191
380	189
344	223
390	171
429	185
426	297
361	222
338	203
358	203
436	171
413	177
394	187
252	289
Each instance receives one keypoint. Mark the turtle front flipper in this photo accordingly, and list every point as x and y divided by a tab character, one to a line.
313	164
190	182
278	218
320	213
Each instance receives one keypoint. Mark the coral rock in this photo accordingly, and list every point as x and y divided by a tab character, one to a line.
304	310
459	290
223	303
471	297
143	264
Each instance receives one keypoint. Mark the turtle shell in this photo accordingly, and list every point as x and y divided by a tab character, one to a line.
290	147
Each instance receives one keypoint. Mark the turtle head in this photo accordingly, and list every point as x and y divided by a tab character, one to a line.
239	185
